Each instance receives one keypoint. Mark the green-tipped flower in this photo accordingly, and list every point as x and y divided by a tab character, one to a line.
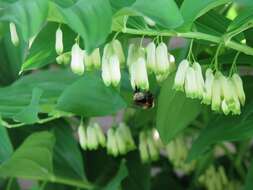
77	57
82	137
143	147
227	91
59	41
207	96
239	88
115	70
199	79
14	34
93	60
64	58
225	107
153	150
181	75
120	141
149	21
191	88
216	94
111	145
118	50
162	59
100	135
151	57
92	141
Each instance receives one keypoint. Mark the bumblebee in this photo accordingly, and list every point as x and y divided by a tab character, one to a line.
143	99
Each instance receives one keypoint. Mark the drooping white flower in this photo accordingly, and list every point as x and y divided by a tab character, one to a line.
118	51
82	137
235	108
199	79
239	87
96	58
143	148
225	107
100	135
111	145
207	96
191	87
14	34
126	135
227	91
114	70
181	75
153	150
172	62
216	94
151	57
162	59
59	41
92	141
77	57
121	144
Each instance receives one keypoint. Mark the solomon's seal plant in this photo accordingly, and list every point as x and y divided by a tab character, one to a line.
126	95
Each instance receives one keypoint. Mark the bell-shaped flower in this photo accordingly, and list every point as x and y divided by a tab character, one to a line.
92	141
151	57
191	87
239	88
127	136
152	148
14	34
111	145
224	107
114	70
118	51
100	135
216	94
199	79
77	57
162	59
227	91
121	144
64	58
143	147
207	95
82	137
181	75
59	41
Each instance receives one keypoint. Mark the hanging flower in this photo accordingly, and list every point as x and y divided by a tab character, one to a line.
151	57
207	95
216	93
181	75
191	88
93	60
14	34
199	79
239	88
77	57
59	41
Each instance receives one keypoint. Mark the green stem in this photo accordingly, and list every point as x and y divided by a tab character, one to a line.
10	181
194	35
234	64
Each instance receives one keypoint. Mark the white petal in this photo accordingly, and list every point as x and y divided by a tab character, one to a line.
106	76
59	41
115	70
14	34
191	83
181	75
151	57
162	59
77	57
239	87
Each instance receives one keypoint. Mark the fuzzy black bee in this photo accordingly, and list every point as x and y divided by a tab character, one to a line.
143	99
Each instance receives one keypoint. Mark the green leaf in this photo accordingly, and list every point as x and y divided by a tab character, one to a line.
68	161
224	128
243	19
6	148
249	178
192	9
174	111
43	51
29	114
92	20
90	97
122	173
28	15
32	160
163	12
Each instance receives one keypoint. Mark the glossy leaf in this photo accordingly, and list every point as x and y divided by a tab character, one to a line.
192	9
174	111
28	22
90	97
224	128
90	19
6	148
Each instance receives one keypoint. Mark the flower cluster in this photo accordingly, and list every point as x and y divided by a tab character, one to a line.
224	94
91	137
149	145
177	151
216	179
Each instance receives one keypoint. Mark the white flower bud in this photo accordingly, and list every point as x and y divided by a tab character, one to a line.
153	151
181	75
96	58
92	142
149	21
225	107
172	62
143	147
111	143
131	54
106	72
59	41
64	58
140	74
191	83
100	135
120	141
239	88
127	136
207	96
114	70
14	34
199	79
227	91
77	57
216	94
235	108
88	62
118	50
162	59
82	137
151	57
